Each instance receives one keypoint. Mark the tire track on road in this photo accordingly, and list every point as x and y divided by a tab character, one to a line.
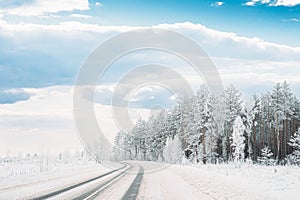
57	192
92	194
132	192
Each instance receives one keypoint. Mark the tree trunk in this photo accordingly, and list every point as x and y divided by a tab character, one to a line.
269	131
278	137
254	142
204	146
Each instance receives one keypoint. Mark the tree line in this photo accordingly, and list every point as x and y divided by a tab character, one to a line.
209	129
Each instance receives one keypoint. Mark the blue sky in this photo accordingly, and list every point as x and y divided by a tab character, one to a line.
43	43
272	23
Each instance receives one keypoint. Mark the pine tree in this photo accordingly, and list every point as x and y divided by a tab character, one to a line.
294	142
255	119
202	118
232	101
238	140
277	105
266	156
287	112
218	122
186	132
119	149
172	151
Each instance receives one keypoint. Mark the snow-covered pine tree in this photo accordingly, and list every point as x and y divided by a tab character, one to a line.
254	126
288	113
294	157
172	151
278	112
296	115
264	138
139	136
119	149
202	117
218	122
238	140
172	120
186	131
212	135
247	118
232	100
160	134
266	156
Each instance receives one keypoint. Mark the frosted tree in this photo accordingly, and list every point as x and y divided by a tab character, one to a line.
187	129
247	119
172	151
159	134
232	101
294	142
288	113
139	140
216	131
278	112
172	122
207	131
296	114
266	156
255	120
202	117
238	140
119	149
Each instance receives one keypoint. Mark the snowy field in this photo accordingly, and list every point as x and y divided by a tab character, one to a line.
28	178
242	181
160	181
225	181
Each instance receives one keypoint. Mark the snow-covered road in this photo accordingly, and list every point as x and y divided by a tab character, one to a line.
150	180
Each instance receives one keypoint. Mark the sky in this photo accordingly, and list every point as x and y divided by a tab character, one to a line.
43	43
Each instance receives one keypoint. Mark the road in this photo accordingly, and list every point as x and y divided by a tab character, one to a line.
149	180
133	180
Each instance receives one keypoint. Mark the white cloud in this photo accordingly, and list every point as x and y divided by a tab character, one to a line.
205	36
81	16
43	7
255	76
45	122
217	4
98	4
250	3
218	43
288	3
291	20
69	26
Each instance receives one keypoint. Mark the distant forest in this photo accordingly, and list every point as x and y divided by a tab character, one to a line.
211	129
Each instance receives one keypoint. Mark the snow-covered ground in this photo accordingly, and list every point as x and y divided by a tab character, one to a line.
163	181
226	181
25	179
243	180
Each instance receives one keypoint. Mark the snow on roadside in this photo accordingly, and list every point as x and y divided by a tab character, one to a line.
223	181
243	181
58	176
